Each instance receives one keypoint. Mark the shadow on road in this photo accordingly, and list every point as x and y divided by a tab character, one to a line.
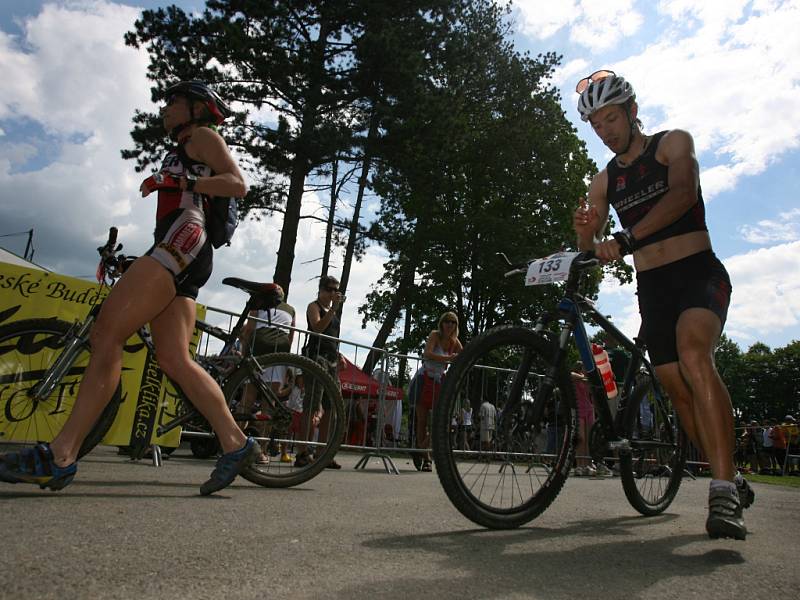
564	562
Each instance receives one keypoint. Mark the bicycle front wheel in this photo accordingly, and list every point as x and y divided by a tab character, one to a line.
27	350
651	472
515	466
293	406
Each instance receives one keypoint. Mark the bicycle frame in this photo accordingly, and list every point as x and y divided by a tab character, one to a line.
77	339
571	310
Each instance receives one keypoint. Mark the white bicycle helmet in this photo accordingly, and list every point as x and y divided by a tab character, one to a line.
609	90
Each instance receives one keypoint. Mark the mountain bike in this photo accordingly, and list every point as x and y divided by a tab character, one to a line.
42	362
519	375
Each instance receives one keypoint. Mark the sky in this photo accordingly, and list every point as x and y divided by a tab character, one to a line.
727	71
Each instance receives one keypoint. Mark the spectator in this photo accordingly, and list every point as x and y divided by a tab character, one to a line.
293	391
583	401
322	316
441	347
752	442
792	444
769	449
265	333
778	435
271	327
466	426
488	416
414	392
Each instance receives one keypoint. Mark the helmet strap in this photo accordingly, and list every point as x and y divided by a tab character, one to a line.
174	134
176	131
632	130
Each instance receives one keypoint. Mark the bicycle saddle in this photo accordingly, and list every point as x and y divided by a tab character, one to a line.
251	287
262	295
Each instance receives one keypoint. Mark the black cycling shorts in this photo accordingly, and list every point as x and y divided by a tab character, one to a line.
697	281
183	248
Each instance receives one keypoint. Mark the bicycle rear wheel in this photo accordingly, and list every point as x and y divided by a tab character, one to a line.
260	404
27	349
520	465
651	472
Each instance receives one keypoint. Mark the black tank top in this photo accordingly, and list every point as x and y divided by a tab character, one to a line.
324	347
636	189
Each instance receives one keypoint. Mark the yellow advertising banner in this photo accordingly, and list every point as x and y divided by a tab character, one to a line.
148	399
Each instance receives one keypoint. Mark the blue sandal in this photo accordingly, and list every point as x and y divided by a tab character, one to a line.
230	465
36	465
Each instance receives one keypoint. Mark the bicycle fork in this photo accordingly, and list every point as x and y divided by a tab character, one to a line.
76	339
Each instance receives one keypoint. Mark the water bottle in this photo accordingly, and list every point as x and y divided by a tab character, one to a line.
604	366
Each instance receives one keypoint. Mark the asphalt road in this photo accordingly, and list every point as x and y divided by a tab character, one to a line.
129	530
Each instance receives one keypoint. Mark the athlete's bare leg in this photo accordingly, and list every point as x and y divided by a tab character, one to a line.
172	332
679	392
710	413
138	297
697	334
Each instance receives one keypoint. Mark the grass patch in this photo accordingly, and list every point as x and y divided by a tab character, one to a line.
786	480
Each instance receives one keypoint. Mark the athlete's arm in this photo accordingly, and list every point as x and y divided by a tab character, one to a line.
247	333
208	147
676	150
589	219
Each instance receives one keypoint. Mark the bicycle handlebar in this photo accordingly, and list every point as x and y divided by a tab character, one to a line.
111	265
583	261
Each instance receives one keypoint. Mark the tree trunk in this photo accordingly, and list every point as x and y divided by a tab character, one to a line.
301	166
401	369
326	255
406	281
362	185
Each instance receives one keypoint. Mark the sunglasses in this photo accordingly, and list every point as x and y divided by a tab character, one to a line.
596	76
450	321
332	289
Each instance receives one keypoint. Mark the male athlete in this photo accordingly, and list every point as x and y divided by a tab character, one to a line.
684	290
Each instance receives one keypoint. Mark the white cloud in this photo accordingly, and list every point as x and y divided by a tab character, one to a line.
728	71
568	74
72	67
766	289
787	229
594	25
765	300
619	301
731	78
16	154
70	73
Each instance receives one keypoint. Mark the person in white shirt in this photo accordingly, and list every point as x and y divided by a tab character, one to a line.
488	414
466	426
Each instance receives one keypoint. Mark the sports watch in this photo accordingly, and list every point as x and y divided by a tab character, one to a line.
191	181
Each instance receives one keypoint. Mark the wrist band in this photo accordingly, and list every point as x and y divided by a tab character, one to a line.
625	240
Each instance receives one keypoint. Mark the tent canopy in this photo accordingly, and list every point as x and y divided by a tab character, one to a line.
357	383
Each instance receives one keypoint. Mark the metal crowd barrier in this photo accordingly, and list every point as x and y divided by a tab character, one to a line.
369	412
379	403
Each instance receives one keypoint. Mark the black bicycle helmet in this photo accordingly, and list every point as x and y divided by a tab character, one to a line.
197	90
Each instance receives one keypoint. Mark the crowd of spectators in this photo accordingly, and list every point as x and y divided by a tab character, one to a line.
770	447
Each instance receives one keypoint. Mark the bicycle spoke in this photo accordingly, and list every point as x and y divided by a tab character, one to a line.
504	479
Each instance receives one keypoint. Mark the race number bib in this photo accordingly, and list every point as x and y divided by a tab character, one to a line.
550	268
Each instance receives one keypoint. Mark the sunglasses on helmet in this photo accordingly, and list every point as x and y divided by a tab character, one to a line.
596	76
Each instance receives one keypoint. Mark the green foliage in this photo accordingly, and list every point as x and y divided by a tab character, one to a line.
479	159
763	383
